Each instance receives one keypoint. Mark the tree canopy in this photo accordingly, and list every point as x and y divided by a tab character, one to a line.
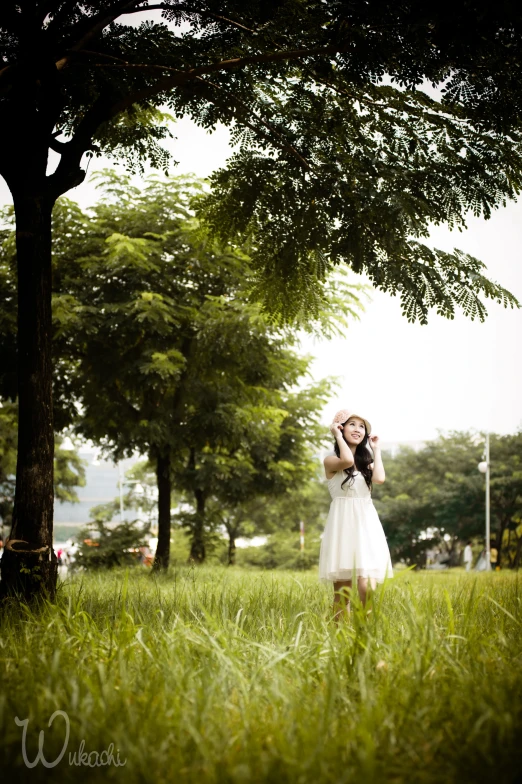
342	158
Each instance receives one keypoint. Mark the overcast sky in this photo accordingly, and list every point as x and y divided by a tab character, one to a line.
408	380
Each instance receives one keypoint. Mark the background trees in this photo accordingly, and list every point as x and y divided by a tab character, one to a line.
158	342
236	482
334	165
160	348
435	496
506	497
305	500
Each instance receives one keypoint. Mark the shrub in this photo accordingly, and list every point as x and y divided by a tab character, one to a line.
103	547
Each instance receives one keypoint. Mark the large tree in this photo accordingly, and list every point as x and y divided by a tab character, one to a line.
334	165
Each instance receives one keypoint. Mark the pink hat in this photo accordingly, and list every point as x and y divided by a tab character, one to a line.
346	413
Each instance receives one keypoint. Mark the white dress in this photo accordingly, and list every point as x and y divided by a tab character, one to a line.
353	539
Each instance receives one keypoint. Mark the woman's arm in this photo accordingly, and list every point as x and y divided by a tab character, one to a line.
332	463
378	475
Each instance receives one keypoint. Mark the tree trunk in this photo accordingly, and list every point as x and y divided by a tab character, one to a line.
518	553
29	564
197	545
231	549
162	556
508	549
499	539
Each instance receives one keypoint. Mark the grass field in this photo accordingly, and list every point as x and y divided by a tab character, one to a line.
224	675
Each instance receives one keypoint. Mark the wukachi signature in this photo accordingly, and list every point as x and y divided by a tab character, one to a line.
92	759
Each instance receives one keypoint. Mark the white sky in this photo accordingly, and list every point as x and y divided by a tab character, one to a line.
408	380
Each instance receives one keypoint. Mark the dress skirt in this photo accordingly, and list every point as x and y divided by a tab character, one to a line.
353	543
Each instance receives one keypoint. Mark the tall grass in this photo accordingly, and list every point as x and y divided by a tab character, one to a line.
216	675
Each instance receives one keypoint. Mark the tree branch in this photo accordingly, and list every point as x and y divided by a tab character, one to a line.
165	7
182	77
89	53
68	169
284	142
57	146
100	23
103	110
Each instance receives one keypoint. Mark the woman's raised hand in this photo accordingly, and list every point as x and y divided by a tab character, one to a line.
374	442
336	428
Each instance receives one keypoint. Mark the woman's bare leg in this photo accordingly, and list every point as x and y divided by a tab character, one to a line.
362	587
341	603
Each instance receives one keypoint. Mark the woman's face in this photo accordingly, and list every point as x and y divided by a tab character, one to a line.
354	430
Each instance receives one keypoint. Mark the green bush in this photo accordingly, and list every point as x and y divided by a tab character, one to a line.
104	547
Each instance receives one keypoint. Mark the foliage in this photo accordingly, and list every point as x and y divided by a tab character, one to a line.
69	472
158	289
139	495
164	336
8	311
251	681
166	353
506	497
142	492
432	493
104	546
305	499
435	496
8	436
236	478
340	158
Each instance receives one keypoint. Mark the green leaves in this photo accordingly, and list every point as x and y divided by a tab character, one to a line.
392	163
339	157
124	251
69	468
166	365
440	280
331	165
69	472
160	343
436	495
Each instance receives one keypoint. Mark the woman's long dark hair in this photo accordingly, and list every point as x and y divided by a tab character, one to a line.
362	461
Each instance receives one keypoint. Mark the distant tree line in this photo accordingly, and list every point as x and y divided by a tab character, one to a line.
436	497
433	498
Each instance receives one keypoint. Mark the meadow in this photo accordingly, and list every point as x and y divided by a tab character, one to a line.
227	675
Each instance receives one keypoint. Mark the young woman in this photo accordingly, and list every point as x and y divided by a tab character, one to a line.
353	542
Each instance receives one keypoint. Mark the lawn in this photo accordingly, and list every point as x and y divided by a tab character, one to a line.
226	675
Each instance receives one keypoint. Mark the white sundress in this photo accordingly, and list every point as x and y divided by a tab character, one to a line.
353	539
